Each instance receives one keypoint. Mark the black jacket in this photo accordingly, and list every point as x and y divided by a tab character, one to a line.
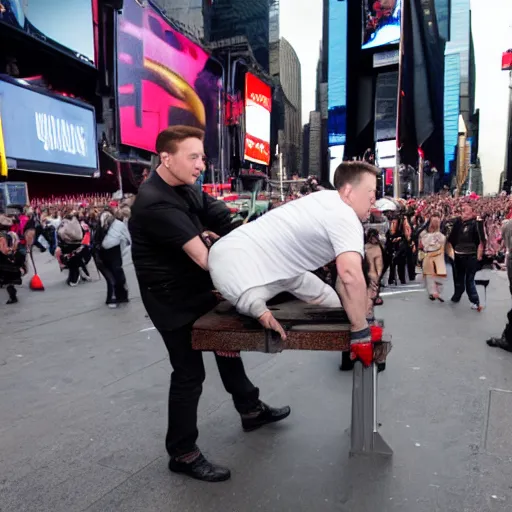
175	290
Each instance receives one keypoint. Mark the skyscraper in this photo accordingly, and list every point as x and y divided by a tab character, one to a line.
315	137
249	18
460	42
286	71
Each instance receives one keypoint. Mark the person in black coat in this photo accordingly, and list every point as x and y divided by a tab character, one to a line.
467	240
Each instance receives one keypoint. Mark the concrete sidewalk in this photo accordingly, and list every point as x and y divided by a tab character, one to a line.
83	395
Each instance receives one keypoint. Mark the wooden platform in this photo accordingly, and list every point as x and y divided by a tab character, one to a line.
307	327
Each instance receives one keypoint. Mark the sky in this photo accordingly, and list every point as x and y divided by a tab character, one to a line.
492	34
301	25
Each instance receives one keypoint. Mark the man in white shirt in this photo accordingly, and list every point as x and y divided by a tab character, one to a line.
278	251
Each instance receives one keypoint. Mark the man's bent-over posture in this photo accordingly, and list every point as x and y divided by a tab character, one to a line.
277	252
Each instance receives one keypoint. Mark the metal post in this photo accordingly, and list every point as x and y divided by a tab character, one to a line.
281	190
220	120
421	177
365	438
508	152
396	173
119	178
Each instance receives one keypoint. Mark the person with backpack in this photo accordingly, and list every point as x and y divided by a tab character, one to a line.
72	253
110	240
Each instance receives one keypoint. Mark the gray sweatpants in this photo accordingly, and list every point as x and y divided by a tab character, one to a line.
307	287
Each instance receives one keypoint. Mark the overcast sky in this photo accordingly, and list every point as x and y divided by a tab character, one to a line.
492	35
301	25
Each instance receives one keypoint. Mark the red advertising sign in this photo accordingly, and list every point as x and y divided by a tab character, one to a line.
258	106
506	60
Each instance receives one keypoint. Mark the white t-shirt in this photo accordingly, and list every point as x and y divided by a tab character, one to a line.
300	236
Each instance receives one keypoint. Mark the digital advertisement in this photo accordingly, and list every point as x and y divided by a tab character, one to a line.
67	24
164	79
38	128
337	73
381	23
258	106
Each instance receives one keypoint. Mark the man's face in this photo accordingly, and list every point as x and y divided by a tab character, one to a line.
186	165
362	195
467	213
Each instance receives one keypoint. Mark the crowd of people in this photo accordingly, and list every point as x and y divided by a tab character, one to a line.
418	233
75	230
468	233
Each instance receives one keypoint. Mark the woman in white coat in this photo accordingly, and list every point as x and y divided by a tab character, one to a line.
110	240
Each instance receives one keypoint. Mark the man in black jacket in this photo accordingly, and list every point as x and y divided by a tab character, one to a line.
467	240
170	217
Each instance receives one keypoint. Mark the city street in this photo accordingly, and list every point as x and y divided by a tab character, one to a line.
83	395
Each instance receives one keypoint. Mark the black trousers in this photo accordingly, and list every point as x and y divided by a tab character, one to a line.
412	261
465	267
110	265
398	264
187	384
509	273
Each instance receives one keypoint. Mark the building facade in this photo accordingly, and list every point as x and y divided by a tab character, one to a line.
460	42
454	20
188	13
315	139
286	71
249	18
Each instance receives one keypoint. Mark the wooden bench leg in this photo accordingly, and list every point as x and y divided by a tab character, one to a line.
365	438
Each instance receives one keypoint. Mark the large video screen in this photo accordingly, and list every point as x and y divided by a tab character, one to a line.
66	24
381	22
39	128
258	107
164	79
337	72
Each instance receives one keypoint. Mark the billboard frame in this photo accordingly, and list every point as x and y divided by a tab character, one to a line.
48	167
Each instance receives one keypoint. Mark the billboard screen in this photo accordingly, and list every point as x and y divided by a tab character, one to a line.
43	129
381	22
337	72
258	106
163	78
65	24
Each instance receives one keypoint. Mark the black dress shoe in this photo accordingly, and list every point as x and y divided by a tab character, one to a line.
266	415
499	343
200	469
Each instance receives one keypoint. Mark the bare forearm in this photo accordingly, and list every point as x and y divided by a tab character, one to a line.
353	295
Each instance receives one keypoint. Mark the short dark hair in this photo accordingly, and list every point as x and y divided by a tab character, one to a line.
168	139
351	173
